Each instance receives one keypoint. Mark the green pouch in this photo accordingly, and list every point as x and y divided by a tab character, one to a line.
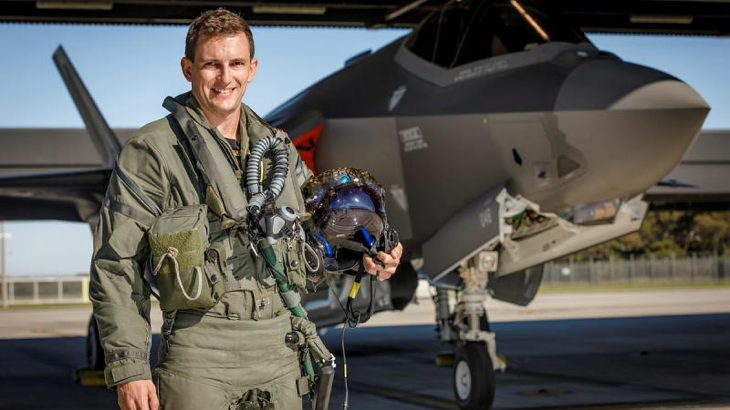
179	241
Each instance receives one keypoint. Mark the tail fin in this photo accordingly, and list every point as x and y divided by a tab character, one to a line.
102	136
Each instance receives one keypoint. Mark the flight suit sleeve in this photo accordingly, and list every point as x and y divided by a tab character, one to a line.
120	296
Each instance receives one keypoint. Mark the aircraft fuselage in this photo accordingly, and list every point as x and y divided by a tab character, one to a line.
561	125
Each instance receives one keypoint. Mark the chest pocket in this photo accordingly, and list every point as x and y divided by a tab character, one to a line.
188	276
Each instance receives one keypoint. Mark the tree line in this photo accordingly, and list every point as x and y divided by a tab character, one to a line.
669	233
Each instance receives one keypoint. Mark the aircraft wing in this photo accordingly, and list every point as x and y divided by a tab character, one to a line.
69	196
699	181
686	17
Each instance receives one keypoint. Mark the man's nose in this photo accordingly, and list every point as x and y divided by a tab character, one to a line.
225	73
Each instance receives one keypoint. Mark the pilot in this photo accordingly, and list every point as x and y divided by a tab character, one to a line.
168	216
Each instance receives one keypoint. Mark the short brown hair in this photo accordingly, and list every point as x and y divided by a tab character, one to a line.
216	22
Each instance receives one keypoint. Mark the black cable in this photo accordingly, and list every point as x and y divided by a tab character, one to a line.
344	366
352	319
357	316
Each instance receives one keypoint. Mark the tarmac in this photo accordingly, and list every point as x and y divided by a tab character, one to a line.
633	349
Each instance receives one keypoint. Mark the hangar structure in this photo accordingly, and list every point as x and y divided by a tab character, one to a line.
674	17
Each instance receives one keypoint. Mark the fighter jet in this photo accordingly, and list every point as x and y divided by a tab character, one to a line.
504	140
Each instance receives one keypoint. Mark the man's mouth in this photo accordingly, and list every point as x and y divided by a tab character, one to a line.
224	91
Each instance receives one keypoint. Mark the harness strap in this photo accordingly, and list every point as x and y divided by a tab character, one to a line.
218	175
196	175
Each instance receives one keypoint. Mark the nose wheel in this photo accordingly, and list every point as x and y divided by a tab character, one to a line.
474	381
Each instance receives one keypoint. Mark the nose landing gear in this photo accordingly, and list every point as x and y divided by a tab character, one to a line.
466	329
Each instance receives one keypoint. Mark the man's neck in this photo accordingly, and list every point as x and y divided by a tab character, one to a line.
227	125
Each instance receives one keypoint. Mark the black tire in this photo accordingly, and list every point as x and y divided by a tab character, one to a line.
474	382
94	351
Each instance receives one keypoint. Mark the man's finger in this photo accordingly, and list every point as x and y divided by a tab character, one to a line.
387	259
142	403
369	263
128	404
154	402
397	252
385	275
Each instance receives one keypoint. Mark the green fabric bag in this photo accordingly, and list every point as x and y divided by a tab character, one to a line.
179	240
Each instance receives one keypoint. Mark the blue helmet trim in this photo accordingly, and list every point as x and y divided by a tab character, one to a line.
327	248
369	240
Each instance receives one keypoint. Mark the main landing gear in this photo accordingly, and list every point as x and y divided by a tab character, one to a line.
466	330
93	373
94	351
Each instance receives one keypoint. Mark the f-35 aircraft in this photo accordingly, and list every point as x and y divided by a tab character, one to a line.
503	145
504	140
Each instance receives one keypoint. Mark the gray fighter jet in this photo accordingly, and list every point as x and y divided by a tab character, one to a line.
504	140
502	145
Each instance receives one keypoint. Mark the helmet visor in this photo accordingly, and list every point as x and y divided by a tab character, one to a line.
320	187
344	224
351	197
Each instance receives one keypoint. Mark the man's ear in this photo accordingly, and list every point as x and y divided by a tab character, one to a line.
187	68
252	72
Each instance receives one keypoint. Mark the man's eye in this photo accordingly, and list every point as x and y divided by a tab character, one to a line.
238	64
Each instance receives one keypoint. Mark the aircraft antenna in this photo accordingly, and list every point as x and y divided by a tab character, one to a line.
104	139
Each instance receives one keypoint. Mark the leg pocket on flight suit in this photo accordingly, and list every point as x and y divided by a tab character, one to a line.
286	395
180	393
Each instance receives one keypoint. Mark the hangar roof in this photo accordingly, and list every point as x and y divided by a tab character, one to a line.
673	17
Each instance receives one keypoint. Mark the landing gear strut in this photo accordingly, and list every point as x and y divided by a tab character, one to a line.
467	330
94	351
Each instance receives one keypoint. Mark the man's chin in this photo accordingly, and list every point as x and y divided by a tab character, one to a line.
227	107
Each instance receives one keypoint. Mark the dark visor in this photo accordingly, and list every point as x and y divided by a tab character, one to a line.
322	190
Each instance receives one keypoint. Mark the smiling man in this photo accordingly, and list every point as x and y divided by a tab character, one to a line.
167	213
219	68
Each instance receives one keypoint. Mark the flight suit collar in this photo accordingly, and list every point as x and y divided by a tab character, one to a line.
251	126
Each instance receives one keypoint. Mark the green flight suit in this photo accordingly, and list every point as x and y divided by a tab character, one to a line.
208	358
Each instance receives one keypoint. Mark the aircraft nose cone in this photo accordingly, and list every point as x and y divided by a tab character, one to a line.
615	85
663	95
631	123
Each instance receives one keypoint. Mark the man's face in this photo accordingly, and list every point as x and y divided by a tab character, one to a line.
220	72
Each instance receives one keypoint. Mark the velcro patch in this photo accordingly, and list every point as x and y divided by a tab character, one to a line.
126	371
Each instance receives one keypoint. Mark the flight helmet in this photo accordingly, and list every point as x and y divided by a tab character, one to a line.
347	206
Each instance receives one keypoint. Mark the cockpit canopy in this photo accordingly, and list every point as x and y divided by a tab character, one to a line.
463	32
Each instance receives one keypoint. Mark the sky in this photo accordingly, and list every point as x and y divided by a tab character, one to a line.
129	70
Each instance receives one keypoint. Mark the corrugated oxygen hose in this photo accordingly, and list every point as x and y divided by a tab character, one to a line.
258	198
258	195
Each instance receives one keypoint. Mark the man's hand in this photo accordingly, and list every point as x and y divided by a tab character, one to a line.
390	263
137	395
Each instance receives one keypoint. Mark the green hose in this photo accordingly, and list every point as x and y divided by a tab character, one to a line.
283	284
